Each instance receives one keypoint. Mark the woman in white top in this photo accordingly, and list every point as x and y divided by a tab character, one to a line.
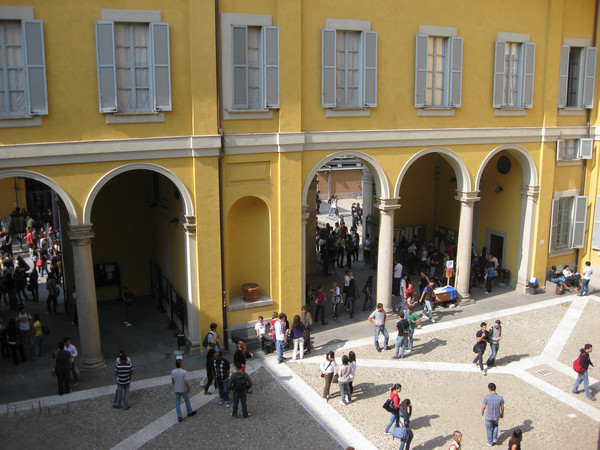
344	381
352	362
327	370
336	299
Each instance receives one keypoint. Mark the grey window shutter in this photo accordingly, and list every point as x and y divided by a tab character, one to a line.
105	60
560	148
563	78
270	37
421	71
528	74
36	66
596	232
328	67
499	74
589	77
579	220
161	65
456	63
554	223
586	148
240	67
370	68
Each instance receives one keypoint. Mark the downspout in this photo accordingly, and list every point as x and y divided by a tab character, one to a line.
588	115
220	169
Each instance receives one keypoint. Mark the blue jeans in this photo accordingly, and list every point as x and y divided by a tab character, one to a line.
223	393
429	309
368	303
400	343
386	336
407	441
351	300
345	391
411	332
237	397
586	384
394	418
585	285
492	359
492	430
188	405
37	346
280	345
122	392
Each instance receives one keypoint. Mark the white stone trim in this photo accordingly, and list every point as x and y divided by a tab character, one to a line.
131	15
347	112
348	24
152	117
576	42
567	193
27	121
509	112
17	13
432	112
569	111
512	37
435	30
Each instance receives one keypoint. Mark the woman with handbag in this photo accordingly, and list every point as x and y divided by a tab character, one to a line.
405	411
395	401
327	370
336	298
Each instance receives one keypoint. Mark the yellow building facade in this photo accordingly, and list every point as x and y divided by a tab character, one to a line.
189	134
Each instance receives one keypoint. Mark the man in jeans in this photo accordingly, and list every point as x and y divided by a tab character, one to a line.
181	386
402	326
495	334
493	409
123	371
221	373
377	319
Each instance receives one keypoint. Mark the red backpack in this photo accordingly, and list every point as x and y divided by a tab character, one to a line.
577	365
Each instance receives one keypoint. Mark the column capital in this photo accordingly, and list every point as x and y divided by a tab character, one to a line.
81	234
190	225
467	196
387	205
305	213
531	191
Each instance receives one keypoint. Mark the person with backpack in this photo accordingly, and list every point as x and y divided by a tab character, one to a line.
320	303
403	328
395	400
581	365
240	383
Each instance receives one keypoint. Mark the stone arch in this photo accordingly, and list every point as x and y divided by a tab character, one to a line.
383	188
463	179
530	175
66	198
185	195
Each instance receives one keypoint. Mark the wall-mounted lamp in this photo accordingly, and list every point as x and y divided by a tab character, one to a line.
499	189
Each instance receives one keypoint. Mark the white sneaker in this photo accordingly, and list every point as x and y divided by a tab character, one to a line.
407	351
342	402
129	324
432	321
424	318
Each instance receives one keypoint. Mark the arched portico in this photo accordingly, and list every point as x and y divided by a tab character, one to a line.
66	198
529	194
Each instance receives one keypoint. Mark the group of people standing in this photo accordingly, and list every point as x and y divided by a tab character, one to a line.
344	376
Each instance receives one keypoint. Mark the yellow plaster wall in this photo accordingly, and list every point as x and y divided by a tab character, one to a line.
8	195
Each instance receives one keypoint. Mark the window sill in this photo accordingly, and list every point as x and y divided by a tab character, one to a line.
500	112
431	111
561	252
568	162
236	114
238	303
572	112
137	117
20	121
348	112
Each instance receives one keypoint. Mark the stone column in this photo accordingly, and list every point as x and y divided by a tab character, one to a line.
193	302
385	258
87	306
367	199
463	249
529	196
309	249
310	227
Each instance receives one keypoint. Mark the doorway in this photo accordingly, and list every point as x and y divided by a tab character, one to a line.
496	244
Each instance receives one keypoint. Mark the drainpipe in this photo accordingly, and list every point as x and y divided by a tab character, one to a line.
588	115
220	170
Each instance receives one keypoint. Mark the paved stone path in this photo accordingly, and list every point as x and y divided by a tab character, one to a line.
534	376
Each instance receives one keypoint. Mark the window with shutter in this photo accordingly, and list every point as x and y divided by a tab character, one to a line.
577	77
596	232
568	224
22	69
579	221
514	71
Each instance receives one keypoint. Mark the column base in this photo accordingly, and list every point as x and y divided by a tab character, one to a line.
522	287
195	349
466	299
92	364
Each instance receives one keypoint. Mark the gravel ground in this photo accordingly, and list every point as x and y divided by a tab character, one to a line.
586	331
445	401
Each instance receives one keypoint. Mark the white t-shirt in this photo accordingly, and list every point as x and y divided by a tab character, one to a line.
260	328
24	321
398	271
587	273
279	327
378	317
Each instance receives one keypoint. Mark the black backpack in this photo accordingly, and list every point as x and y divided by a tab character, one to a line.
205	341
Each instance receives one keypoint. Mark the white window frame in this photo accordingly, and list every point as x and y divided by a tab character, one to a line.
582	148
228	22
160	97
577	218
367	68
26	15
585	83
596	230
452	70
525	74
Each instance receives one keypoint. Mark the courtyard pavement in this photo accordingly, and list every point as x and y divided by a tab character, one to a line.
541	337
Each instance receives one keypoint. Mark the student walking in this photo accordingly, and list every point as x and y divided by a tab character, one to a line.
181	386
240	384
493	410
581	366
377	319
482	338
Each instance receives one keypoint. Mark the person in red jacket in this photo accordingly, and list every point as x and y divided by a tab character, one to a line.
585	362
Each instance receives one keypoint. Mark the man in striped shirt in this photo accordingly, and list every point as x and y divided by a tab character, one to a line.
123	371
